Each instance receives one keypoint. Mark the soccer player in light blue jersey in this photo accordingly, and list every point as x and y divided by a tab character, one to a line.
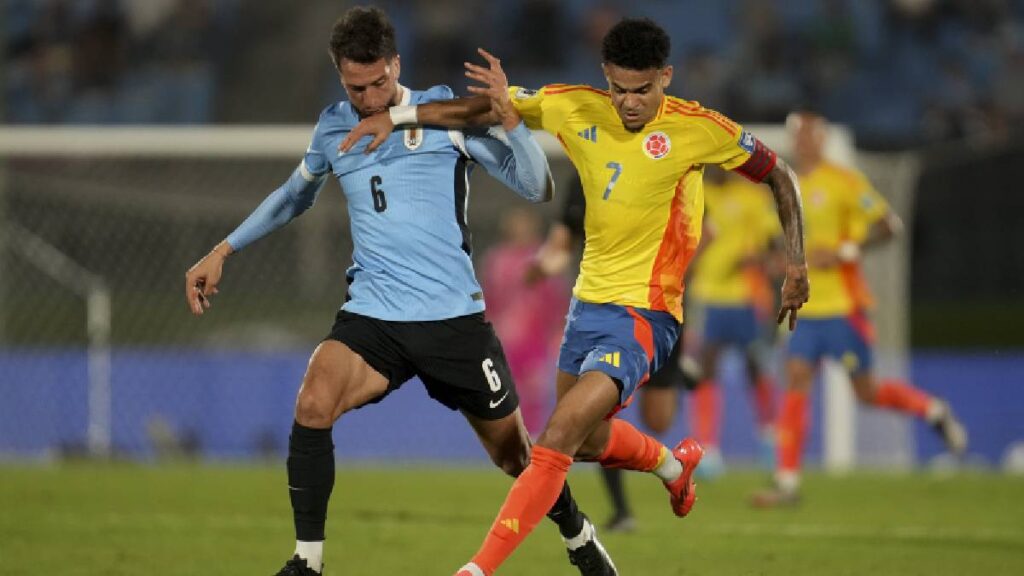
414	307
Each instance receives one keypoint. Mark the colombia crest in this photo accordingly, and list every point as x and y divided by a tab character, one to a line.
657	145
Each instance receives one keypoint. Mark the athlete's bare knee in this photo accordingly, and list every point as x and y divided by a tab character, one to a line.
314	407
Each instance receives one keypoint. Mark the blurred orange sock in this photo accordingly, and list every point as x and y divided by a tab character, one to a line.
630	448
764	402
792	429
706	413
901	396
530	498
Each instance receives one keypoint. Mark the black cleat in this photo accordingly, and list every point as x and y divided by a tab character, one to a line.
952	431
591	558
297	567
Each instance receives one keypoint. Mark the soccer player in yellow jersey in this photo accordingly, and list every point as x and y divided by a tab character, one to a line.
640	155
730	281
844	216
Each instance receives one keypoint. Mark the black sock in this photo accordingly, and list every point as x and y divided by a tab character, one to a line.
566	514
310	479
613	481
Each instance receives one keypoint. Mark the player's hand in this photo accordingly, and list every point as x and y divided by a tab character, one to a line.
495	87
201	281
378	126
795	292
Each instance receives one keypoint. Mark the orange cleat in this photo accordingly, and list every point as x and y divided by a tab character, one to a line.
682	491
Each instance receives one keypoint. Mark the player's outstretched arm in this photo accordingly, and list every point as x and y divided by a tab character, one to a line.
456	113
515	158
795	288
282	205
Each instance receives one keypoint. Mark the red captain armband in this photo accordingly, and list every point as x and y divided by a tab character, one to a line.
762	158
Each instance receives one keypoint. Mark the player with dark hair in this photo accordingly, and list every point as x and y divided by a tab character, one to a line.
640	155
845	217
414	307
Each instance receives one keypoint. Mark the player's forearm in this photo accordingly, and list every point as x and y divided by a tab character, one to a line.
786	191
531	174
293	198
457	113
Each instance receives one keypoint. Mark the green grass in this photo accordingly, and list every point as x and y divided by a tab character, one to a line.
192	520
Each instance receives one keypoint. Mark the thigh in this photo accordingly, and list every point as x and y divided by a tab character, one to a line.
377	345
336	381
463	366
807	341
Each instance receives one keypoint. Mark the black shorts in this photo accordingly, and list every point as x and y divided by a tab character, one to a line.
671	373
459	360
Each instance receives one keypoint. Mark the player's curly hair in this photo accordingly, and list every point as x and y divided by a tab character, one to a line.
636	44
363	34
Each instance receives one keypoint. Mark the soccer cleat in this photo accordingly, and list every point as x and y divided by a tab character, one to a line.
297	567
952	431
590	557
775	497
682	491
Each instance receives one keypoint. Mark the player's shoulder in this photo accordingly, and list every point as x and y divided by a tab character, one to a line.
574	93
439	92
690	113
336	115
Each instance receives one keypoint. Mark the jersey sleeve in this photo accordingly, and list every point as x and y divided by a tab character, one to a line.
315	162
868	205
545	109
728	145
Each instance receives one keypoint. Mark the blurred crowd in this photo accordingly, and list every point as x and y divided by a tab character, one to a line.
901	72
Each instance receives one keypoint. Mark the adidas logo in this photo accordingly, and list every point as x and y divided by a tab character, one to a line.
611	358
512	524
588	134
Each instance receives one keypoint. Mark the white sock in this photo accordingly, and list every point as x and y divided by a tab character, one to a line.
670	468
936	410
312	552
582	538
473	569
787	480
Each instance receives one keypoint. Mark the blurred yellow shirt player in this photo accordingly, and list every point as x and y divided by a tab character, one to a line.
637	250
840	206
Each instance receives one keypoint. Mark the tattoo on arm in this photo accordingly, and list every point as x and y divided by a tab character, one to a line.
786	191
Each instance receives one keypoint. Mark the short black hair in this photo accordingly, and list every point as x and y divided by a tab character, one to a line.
636	44
363	34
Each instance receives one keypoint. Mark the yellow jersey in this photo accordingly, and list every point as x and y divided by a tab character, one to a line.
840	205
643	190
740	221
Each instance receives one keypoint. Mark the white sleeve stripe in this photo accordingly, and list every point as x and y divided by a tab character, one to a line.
459	140
306	174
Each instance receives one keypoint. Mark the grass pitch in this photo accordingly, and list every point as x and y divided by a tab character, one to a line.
191	520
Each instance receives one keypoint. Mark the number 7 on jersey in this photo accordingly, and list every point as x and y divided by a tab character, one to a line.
615	178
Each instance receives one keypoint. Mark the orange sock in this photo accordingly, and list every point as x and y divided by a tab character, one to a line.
630	448
706	413
792	429
529	500
901	396
763	394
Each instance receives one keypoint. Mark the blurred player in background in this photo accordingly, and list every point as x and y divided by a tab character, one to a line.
528	312
845	216
414	307
730	280
640	155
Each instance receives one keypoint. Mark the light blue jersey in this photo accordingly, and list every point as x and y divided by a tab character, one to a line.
407	203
